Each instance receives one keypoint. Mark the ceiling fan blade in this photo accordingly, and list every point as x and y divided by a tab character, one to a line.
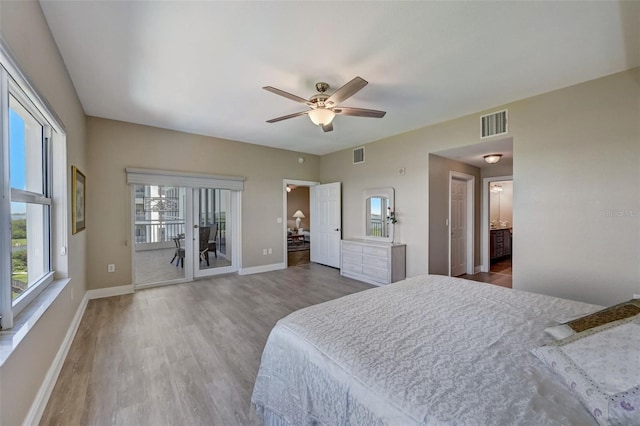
327	127
346	91
287	95
359	112
286	117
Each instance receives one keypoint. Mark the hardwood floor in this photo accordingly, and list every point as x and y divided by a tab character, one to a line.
500	274
185	354
300	257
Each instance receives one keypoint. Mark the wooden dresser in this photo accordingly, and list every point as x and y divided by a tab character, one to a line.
374	262
500	243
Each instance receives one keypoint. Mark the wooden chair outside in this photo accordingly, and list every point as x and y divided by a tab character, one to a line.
204	243
179	253
213	238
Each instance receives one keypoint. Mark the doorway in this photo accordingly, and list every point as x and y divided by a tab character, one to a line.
497	219
324	221
298	218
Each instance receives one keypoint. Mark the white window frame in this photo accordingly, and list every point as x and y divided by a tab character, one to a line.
54	194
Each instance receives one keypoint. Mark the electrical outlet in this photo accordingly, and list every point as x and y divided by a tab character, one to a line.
111	267
270	250
636	295
279	220
264	252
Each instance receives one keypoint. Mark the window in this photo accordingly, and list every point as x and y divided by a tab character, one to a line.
29	165
28	206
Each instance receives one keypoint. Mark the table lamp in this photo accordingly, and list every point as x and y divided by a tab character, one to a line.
298	215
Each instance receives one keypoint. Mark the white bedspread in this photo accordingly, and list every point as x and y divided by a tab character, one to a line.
428	350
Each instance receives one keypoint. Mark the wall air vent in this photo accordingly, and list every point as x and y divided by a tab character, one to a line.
358	155
493	124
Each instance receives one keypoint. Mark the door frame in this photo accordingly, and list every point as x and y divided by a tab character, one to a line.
469	252
283	219
485	263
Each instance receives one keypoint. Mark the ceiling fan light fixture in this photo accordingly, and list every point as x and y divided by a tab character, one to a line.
321	116
492	158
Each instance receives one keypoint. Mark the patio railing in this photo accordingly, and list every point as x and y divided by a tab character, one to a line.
158	232
161	232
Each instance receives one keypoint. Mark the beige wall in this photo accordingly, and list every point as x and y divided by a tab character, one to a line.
115	145
25	32
576	190
298	199
576	208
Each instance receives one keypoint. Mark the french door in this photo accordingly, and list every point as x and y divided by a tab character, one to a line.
181	233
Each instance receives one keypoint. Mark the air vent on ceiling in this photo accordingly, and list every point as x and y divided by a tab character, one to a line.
358	155
493	124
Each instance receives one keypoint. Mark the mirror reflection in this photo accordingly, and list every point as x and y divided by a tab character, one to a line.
378	205
377	223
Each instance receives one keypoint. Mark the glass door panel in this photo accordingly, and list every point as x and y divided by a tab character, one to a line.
160	253
213	239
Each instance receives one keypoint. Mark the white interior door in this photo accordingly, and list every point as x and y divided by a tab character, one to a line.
458	225
326	223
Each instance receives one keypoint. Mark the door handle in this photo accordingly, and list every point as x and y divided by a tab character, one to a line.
337	229
195	226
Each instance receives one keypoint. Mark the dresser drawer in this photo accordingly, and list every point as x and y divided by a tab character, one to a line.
380	275
375	251
352	268
372	262
351	257
350	247
376	262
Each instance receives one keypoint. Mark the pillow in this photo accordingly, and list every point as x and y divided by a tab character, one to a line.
601	366
613	313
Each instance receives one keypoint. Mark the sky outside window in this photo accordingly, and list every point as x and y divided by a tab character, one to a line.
18	160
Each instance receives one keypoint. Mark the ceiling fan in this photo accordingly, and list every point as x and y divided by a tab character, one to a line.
324	107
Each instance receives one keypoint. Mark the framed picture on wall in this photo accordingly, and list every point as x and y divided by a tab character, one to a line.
78	189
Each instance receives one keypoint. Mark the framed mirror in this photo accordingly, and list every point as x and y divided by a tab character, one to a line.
378	203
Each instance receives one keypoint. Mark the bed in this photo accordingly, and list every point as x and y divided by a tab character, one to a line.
427	350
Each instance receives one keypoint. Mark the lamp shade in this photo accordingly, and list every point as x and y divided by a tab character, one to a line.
321	116
298	215
492	158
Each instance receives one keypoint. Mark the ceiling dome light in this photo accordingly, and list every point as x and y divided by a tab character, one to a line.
321	116
492	158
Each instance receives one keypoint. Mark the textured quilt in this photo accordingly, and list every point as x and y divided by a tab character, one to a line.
427	350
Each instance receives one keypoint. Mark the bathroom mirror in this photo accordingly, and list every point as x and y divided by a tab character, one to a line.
378	203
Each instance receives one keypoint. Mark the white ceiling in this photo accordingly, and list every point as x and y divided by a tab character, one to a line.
199	66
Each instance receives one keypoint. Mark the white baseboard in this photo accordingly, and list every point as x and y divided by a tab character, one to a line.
262	268
478	269
42	397
109	291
